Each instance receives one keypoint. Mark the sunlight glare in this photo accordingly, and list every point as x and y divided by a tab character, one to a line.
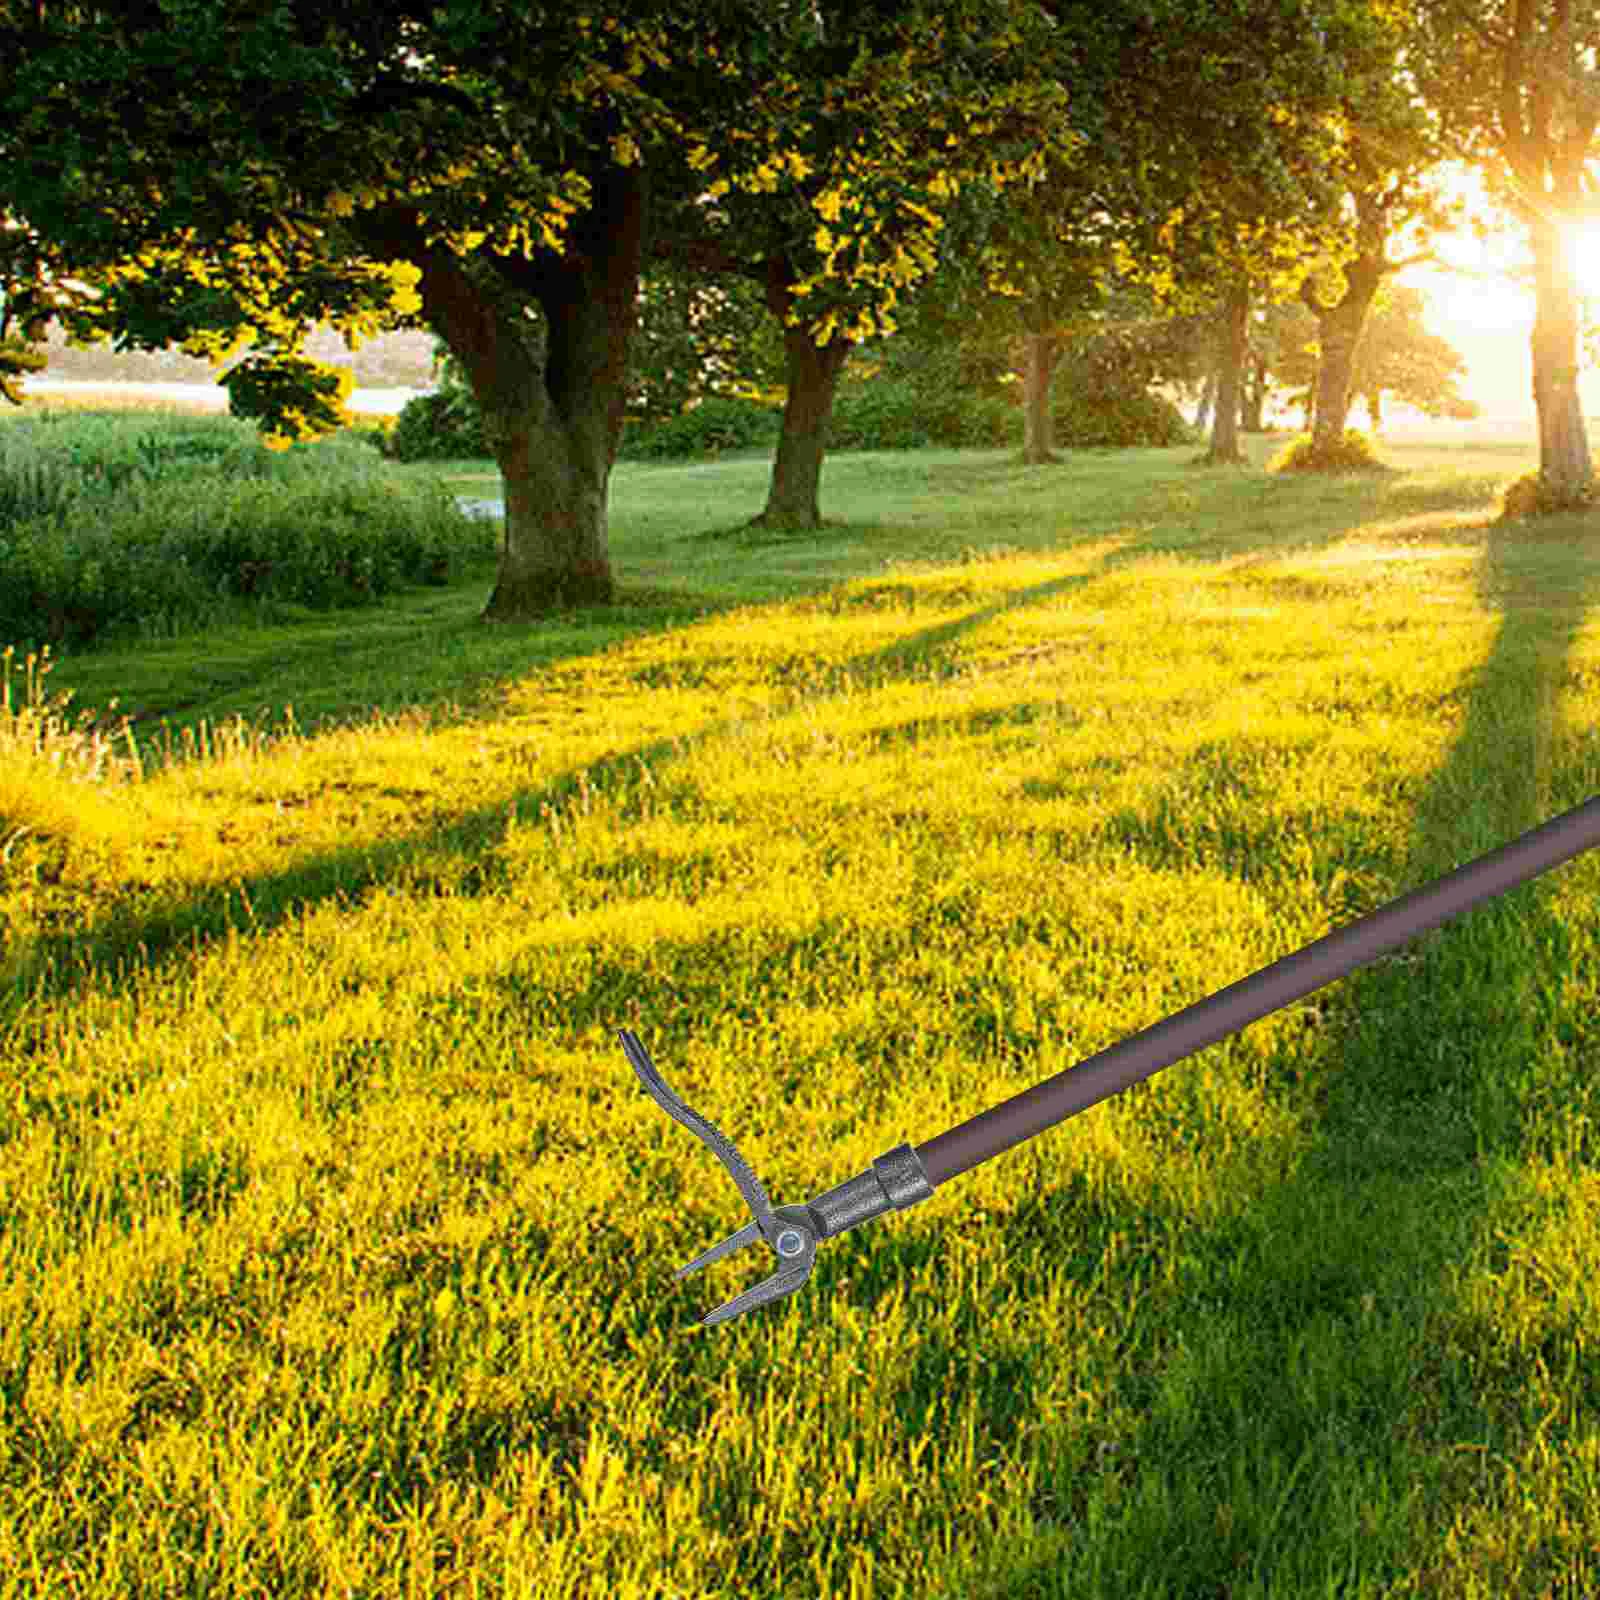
1586	262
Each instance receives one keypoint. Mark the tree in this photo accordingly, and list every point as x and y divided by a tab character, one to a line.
468	169
1392	146
1211	135
1515	84
1251	151
987	112
33	286
691	342
22	298
1398	355
1293	356
970	325
695	341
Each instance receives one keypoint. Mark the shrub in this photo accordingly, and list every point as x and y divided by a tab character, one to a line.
1353	452
901	414
716	423
107	533
1532	496
890	414
444	426
1088	419
988	423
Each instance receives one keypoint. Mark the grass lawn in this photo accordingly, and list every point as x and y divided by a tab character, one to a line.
339	1237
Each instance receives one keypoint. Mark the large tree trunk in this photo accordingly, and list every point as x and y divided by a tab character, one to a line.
1225	448
792	493
1339	330
1566	473
1040	353
553	424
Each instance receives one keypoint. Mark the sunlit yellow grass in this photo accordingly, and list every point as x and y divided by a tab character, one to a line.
339	1241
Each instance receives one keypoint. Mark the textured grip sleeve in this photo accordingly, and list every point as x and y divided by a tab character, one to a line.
893	1182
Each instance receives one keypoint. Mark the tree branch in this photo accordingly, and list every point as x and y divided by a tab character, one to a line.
1386	266
388	94
705	254
1513	128
1313	303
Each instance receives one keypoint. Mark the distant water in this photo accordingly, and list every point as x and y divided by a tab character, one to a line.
371	402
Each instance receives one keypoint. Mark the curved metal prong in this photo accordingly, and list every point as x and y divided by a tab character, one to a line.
719	1144
748	1234
791	1231
795	1246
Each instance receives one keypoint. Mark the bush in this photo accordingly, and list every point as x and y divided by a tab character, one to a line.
890	414
112	530
717	423
1531	496
1353	452
443	426
1119	420
883	414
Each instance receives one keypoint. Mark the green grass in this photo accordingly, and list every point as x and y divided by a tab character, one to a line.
339	1238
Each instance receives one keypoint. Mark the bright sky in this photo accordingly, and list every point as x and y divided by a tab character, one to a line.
1488	316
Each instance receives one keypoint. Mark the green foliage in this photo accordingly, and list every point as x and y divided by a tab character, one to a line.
1086	420
1399	355
139	529
879	415
442	426
677	366
891	416
1100	388
695	340
1533	495
281	388
1396	354
273	211
17	361
927	385
1353	452
936	355
713	425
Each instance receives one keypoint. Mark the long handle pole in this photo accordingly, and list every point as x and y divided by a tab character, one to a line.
993	1132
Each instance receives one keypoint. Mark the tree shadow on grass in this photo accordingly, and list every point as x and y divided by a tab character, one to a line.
166	935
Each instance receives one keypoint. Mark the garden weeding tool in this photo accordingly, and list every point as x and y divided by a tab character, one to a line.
906	1175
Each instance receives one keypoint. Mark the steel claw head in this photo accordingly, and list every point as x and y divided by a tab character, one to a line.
795	1246
791	1231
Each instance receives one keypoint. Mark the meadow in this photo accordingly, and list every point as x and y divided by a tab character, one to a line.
339	1237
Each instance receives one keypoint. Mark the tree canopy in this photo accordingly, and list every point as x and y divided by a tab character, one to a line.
225	174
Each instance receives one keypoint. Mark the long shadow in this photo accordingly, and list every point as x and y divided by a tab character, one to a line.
243	661
1426	1078
1405	1121
244	664
167	935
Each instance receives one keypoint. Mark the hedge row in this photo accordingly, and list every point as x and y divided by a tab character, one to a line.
876	416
